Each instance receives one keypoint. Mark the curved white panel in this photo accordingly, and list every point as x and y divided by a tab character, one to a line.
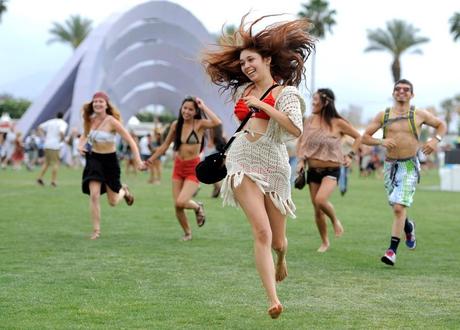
174	35
132	55
155	74
158	51
155	95
162	10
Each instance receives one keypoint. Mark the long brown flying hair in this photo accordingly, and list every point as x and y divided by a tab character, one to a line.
287	43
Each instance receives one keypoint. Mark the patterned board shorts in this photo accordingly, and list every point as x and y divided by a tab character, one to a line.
400	178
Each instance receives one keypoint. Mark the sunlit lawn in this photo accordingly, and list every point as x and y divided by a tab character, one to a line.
139	275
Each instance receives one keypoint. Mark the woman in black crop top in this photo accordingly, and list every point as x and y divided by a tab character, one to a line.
187	132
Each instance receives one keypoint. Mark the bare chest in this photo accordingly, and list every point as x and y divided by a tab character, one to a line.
399	127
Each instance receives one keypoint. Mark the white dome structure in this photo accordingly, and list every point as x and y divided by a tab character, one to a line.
146	56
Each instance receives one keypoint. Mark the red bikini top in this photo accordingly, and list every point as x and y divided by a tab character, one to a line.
242	110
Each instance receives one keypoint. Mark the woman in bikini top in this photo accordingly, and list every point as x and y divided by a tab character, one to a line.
193	137
187	134
257	125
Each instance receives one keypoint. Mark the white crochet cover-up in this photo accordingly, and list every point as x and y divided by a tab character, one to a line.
265	161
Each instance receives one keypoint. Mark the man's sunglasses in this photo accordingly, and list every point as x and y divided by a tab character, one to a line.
404	89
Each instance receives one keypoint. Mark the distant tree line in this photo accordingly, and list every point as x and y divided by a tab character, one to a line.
148	117
15	107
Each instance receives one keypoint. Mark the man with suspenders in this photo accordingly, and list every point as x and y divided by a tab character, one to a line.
401	124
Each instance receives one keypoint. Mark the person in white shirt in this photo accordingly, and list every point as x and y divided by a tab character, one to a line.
54	132
8	147
145	148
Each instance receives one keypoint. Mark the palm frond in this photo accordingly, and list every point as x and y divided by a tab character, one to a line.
380	40
321	17
455	26
73	31
397	38
3	8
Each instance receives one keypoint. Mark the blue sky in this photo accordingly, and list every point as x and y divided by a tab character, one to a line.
357	78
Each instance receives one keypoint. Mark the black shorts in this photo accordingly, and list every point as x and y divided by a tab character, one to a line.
103	168
316	175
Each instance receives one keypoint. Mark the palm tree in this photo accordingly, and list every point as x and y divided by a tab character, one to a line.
2	8
398	38
74	31
318	12
450	106
455	26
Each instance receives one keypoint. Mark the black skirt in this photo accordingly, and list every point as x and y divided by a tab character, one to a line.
103	168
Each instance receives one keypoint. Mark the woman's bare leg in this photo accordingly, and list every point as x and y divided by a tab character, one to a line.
156	167
182	194
180	213
95	207
325	191
114	197
279	240
251	200
320	218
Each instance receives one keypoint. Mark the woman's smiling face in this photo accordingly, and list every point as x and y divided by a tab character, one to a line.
188	110
99	105
253	65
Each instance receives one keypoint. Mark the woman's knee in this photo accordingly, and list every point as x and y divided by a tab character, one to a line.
320	202
180	204
278	244
318	212
95	198
263	236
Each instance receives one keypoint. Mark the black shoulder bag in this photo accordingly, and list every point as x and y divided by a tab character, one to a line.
212	169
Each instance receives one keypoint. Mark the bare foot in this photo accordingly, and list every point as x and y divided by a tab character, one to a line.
96	234
281	266
186	237
338	228
275	311
323	248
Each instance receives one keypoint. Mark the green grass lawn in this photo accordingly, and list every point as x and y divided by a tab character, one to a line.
140	276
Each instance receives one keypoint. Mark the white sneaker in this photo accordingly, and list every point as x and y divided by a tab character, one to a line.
389	257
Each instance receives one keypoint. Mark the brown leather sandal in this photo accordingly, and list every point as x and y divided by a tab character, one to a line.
129	198
200	215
